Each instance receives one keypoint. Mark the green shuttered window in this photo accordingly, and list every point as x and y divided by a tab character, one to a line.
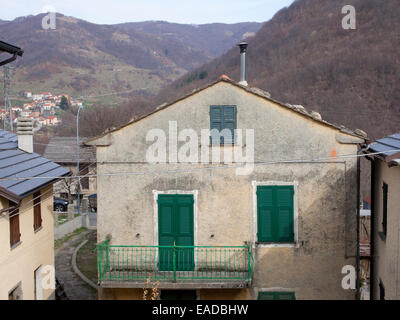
223	118
276	296
275	213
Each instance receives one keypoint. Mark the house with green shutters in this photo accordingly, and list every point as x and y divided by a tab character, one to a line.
227	193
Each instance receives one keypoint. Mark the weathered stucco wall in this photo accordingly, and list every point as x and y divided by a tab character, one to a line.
387	252
36	249
325	196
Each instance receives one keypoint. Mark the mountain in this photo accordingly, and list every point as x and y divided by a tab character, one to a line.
214	39
82	58
304	56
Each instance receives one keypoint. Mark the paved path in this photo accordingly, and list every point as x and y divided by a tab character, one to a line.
92	219
74	286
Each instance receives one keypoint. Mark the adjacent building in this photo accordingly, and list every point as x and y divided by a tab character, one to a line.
26	217
281	227
385	217
63	150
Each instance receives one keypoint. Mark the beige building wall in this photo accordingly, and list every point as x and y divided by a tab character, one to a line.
387	252
18	265
325	210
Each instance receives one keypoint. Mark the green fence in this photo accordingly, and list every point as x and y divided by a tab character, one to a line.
174	263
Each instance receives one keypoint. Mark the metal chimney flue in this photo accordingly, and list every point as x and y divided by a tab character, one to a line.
243	50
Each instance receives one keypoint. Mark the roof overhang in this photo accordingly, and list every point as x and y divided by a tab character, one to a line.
18	198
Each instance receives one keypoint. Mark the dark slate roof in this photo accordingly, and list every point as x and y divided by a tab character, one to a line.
15	163
63	150
386	146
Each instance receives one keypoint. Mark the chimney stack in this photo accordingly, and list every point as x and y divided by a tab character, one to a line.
243	50
25	134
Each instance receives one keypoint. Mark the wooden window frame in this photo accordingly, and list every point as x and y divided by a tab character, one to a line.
37	211
14	226
385	193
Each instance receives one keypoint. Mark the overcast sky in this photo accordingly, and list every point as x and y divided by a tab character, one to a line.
182	11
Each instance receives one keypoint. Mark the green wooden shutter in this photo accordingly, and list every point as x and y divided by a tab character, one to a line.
265	205
216	120
184	234
223	117
275	213
385	203
276	295
285	296
229	122
284	210
266	296
166	232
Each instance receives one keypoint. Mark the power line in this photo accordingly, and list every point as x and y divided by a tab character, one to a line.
10	214
133	173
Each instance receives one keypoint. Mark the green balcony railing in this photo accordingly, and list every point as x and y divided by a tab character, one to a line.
174	263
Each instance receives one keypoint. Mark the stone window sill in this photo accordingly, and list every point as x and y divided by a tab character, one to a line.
16	245
38	229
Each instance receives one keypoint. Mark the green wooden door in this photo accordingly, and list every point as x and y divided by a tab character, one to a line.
276	296
175	227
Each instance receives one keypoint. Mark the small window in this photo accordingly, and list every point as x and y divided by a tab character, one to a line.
37	211
16	293
267	295
15	235
275	214
381	291
385	188
223	124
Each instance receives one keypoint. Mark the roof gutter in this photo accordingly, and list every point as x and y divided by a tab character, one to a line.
18	198
13	58
15	51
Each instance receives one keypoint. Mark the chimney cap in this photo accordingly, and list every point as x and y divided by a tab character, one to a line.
243	47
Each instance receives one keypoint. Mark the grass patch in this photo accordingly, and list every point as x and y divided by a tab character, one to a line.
58	243
86	258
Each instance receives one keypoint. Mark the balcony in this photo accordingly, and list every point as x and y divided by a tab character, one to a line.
183	267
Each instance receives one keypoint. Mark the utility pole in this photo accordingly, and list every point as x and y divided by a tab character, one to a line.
6	86
78	162
7	103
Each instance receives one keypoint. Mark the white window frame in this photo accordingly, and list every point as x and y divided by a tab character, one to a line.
295	185
38	283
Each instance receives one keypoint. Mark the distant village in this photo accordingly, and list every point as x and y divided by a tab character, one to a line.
44	108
